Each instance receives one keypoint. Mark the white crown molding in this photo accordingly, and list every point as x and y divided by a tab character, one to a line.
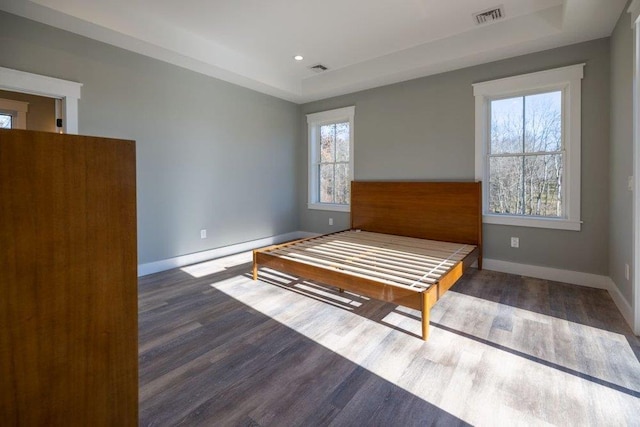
572	21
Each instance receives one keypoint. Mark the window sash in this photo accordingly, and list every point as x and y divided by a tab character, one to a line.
566	79
521	203
334	163
341	169
549	190
318	168
537	153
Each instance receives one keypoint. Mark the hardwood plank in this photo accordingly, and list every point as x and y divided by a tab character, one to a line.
501	347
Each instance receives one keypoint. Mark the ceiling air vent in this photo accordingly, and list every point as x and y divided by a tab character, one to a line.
489	15
318	68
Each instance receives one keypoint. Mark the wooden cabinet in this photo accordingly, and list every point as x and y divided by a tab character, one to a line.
68	280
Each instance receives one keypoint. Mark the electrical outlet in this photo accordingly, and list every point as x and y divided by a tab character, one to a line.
626	271
630	183
515	242
330	221
203	234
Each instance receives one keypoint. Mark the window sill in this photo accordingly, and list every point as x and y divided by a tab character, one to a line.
329	207
537	222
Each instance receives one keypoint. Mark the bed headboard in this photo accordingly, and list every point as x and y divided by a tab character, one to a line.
446	211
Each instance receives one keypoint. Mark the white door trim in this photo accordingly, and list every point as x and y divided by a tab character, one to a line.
634	10
67	91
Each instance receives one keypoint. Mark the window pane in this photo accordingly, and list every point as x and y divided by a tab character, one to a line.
505	185
543	122
506	125
342	142
5	121
543	185
342	183
326	183
327	143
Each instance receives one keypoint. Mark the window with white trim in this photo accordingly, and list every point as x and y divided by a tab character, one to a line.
6	120
528	148
13	114
330	159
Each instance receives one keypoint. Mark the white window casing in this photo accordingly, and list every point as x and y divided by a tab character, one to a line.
314	121
18	110
568	81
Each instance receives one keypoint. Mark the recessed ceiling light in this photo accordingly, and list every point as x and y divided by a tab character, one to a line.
298	58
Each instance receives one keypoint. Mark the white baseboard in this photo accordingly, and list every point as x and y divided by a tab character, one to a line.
546	273
565	276
181	261
622	303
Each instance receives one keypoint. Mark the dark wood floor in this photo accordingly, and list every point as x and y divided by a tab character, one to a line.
217	348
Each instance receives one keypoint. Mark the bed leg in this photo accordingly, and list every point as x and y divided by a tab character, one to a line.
255	267
480	263
425	315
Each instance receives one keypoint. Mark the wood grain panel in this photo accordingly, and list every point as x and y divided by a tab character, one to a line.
445	211
68	294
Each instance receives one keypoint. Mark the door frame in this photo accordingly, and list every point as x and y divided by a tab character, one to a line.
67	91
634	10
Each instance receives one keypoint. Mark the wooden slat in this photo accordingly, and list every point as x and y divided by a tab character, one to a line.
402	241
367	270
378	289
406	236
352	260
416	254
372	254
381	244
371	260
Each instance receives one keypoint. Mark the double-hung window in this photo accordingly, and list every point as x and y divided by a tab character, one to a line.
528	148
330	159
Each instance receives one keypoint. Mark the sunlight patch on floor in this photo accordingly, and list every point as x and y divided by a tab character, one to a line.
452	361
206	268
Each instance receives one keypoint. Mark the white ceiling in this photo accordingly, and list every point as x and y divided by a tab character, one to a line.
365	43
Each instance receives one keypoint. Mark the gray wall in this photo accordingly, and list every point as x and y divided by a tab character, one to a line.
213	155
424	129
621	160
42	110
209	154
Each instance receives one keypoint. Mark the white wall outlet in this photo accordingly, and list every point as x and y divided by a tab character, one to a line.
630	183
626	271
515	242
330	221
203	234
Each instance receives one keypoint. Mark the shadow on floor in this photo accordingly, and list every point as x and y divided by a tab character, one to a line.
585	306
578	304
208	359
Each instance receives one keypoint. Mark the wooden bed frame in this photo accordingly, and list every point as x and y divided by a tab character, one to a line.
436	211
